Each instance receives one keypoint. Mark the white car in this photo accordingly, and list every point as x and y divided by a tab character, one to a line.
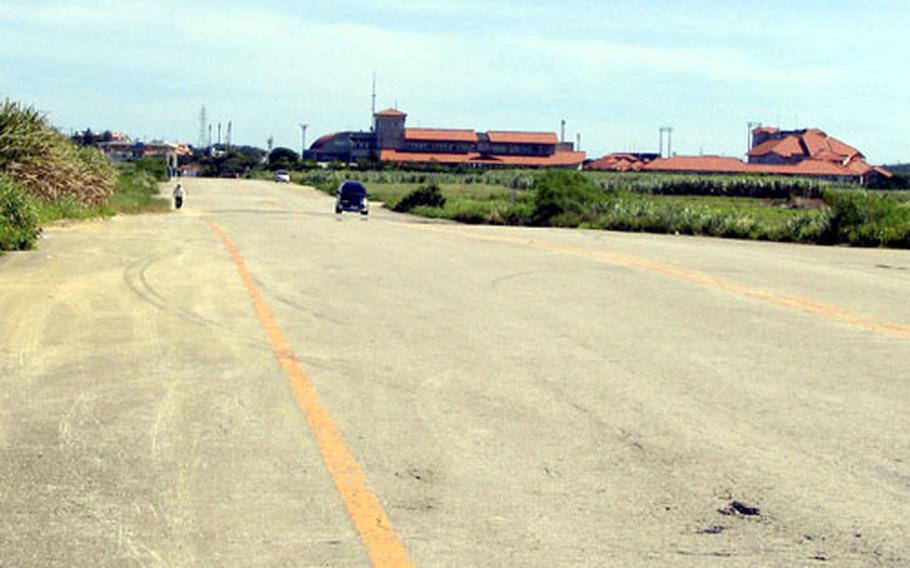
282	176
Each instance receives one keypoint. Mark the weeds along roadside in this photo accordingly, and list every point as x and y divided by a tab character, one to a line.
45	177
742	207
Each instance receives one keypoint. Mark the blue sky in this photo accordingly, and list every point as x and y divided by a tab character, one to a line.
616	71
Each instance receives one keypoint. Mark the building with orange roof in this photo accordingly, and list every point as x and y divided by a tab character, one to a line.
774	146
622	161
393	142
803	153
855	172
124	150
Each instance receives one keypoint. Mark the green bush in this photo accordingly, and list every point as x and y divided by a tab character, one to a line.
18	217
519	213
861	218
424	196
563	198
155	167
808	227
137	192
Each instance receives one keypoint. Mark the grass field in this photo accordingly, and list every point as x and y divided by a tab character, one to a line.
391	193
743	207
842	216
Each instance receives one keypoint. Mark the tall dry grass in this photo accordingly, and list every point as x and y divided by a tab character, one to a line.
46	163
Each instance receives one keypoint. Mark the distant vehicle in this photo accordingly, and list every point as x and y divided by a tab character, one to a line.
282	176
352	196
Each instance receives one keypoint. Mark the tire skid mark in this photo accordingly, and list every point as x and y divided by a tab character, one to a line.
135	277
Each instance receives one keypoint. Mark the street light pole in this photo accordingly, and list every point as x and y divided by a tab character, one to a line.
303	128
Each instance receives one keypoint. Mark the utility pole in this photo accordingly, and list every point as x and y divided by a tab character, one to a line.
303	128
230	128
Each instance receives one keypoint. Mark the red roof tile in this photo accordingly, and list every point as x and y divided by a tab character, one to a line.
705	164
724	165
440	135
843	149
554	160
506	137
807	168
785	147
321	141
390	112
882	171
410	157
764	148
813	143
618	162
559	159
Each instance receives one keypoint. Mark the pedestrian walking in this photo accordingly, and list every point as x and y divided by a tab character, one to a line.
179	193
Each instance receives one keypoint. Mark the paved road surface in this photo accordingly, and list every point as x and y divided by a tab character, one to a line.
486	396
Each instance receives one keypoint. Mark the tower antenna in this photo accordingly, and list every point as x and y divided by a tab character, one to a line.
374	93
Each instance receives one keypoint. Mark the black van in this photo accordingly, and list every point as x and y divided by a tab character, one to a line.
352	196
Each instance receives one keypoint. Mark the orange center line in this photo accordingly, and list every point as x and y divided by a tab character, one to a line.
376	531
797	303
279	207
